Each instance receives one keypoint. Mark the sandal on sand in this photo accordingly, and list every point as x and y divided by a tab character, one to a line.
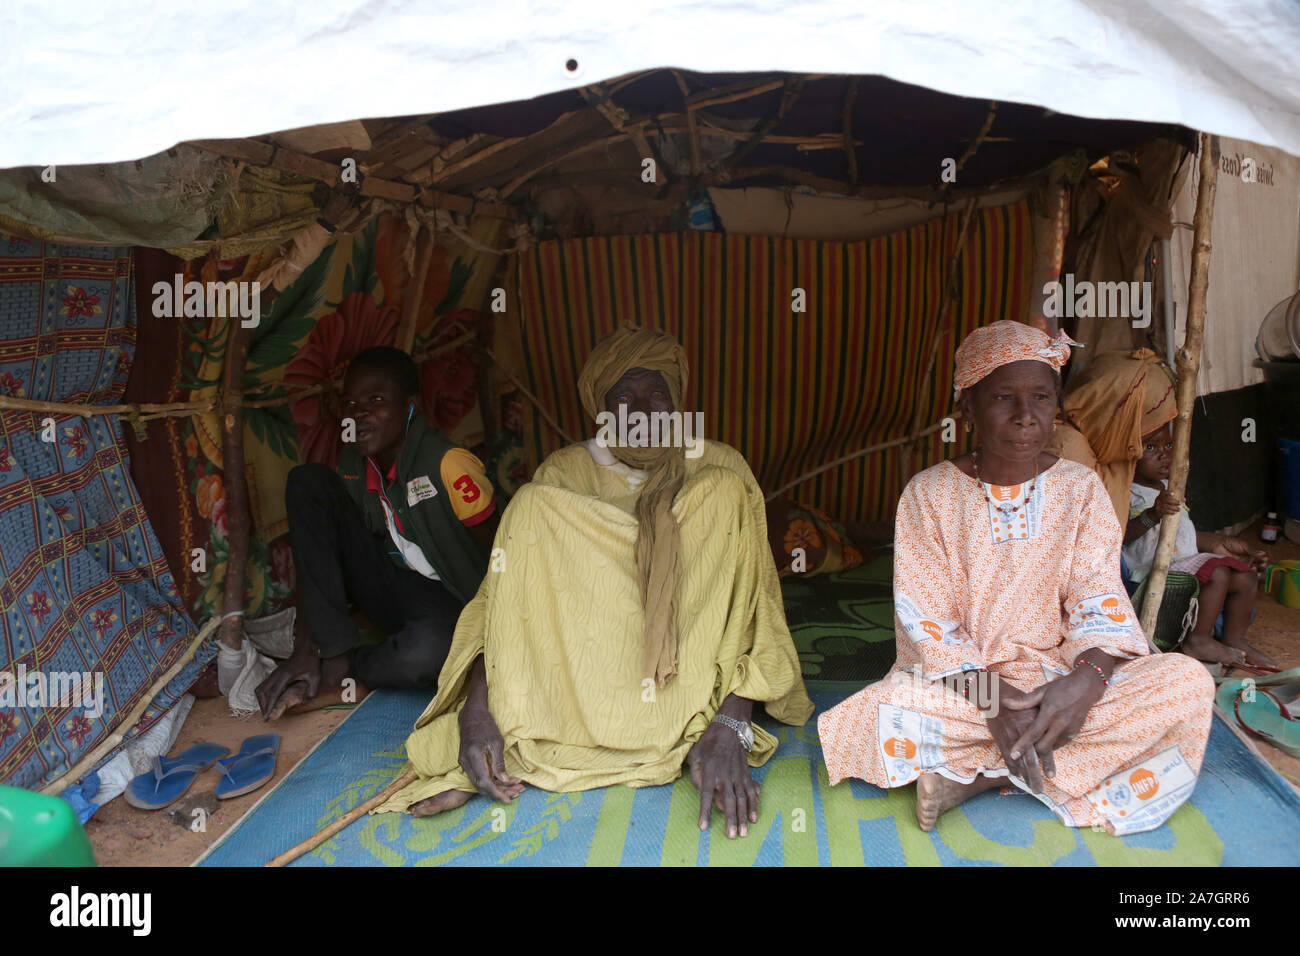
171	777
249	769
1264	716
1285	686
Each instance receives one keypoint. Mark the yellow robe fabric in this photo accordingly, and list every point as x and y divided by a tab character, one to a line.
559	622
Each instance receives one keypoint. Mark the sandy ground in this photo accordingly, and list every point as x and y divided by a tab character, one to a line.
1276	632
125	836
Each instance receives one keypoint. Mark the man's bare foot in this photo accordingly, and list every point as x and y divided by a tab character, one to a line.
1252	656
291	696
447	800
1205	648
936	794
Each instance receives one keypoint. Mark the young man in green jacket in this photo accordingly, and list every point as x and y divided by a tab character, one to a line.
403	529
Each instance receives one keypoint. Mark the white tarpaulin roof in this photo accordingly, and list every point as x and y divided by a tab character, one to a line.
107	80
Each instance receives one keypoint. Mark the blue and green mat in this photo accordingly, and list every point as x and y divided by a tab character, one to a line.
1242	813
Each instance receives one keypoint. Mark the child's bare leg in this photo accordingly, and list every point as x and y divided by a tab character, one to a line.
1201	644
1236	617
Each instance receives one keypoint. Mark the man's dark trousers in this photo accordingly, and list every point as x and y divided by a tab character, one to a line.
339	560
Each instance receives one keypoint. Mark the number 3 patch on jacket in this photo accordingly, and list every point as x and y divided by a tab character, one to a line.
469	491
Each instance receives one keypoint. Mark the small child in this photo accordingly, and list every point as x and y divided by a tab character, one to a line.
1224	565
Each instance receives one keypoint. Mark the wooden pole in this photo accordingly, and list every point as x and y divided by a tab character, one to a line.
236	482
79	769
846	124
423	240
1189	362
356	813
860	453
691	125
537	403
942	326
88	411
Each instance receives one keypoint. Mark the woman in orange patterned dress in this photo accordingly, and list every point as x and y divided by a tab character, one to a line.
1020	659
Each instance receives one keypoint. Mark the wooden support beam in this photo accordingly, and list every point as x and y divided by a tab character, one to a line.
793	175
599	98
561	157
373	186
403	132
846	122
451	169
979	136
672	123
443	167
405	167
860	453
245	150
231	629
307	166
1189	363
387	189
788	99
453	149
692	126
944	316
88	411
437	199
730	94
415	288
742	91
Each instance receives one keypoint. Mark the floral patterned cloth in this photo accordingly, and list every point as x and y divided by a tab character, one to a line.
806	541
86	597
351	297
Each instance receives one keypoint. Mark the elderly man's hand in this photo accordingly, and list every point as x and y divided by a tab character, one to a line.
482	755
482	748
720	771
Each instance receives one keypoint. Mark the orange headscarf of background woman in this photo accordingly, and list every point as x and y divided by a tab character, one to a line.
1115	400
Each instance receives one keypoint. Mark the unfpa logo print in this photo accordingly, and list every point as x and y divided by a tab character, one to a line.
1144	784
903	749
1006	492
1110	607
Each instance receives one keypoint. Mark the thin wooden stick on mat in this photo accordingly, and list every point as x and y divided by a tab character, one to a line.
356	813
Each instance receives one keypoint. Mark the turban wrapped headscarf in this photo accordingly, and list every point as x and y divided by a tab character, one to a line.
1001	343
658	541
1114	401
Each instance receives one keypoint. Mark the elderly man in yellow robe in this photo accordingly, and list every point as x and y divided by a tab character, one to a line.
631	618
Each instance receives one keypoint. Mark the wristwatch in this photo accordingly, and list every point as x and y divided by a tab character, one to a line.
742	728
1147	520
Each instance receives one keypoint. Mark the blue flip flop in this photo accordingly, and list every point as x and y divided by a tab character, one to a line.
249	769
171	776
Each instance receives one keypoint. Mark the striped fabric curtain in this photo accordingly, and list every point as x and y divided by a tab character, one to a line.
790	389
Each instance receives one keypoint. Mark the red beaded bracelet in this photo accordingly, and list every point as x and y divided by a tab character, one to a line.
966	676
1100	673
